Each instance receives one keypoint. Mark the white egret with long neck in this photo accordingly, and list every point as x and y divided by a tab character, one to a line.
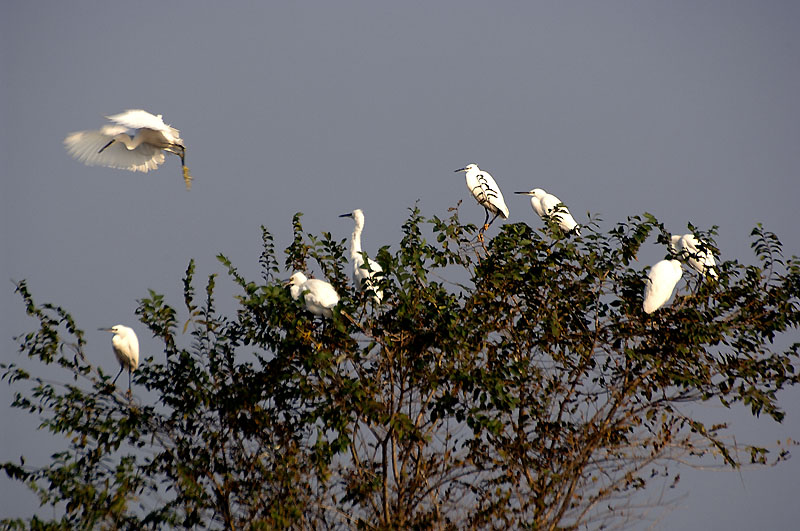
363	271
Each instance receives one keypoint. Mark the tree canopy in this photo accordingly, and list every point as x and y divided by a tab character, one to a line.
507	384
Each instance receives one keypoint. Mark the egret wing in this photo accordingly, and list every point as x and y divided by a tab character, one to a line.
489	194
321	293
699	259
86	145
138	119
549	203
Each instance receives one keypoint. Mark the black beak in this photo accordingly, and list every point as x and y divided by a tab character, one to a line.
104	147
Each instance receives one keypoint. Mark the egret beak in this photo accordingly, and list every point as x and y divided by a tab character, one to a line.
348	215
105	329
460	169
104	147
523	193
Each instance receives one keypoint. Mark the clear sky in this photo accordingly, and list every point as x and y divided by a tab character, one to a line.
685	109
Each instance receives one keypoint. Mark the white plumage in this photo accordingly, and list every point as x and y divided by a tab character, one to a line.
661	280
114	147
688	248
319	296
545	204
362	277
126	349
484	189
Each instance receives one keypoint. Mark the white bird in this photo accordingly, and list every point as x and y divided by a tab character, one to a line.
688	248
362	277
126	349
661	280
112	146
545	204
319	296
485	190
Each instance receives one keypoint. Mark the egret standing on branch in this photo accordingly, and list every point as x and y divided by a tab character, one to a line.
112	146
661	280
688	248
126	349
546	204
362	274
487	193
319	296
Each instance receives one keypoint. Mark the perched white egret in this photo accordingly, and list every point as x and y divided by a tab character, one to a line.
126	349
661	280
687	247
485	190
319	296
545	204
362	278
114	147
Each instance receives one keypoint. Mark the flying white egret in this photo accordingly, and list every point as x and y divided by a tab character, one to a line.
114	147
661	280
485	190
362	278
319	296
545	204
688	248
126	349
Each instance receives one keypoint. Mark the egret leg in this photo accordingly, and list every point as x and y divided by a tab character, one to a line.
104	147
117	376
179	150
494	218
130	375
485	220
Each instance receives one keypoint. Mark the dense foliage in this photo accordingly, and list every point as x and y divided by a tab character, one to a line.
516	383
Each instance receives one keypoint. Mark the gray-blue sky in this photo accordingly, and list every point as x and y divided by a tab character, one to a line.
687	110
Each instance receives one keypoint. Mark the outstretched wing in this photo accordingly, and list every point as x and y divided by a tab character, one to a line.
138	119
86	145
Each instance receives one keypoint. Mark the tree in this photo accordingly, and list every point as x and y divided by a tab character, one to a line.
516	383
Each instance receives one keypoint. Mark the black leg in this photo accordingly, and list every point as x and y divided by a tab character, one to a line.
117	376
494	218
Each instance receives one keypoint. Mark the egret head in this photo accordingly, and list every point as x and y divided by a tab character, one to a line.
468	167
536	192
357	215
296	279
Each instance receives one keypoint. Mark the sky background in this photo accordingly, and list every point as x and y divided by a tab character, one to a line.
684	109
